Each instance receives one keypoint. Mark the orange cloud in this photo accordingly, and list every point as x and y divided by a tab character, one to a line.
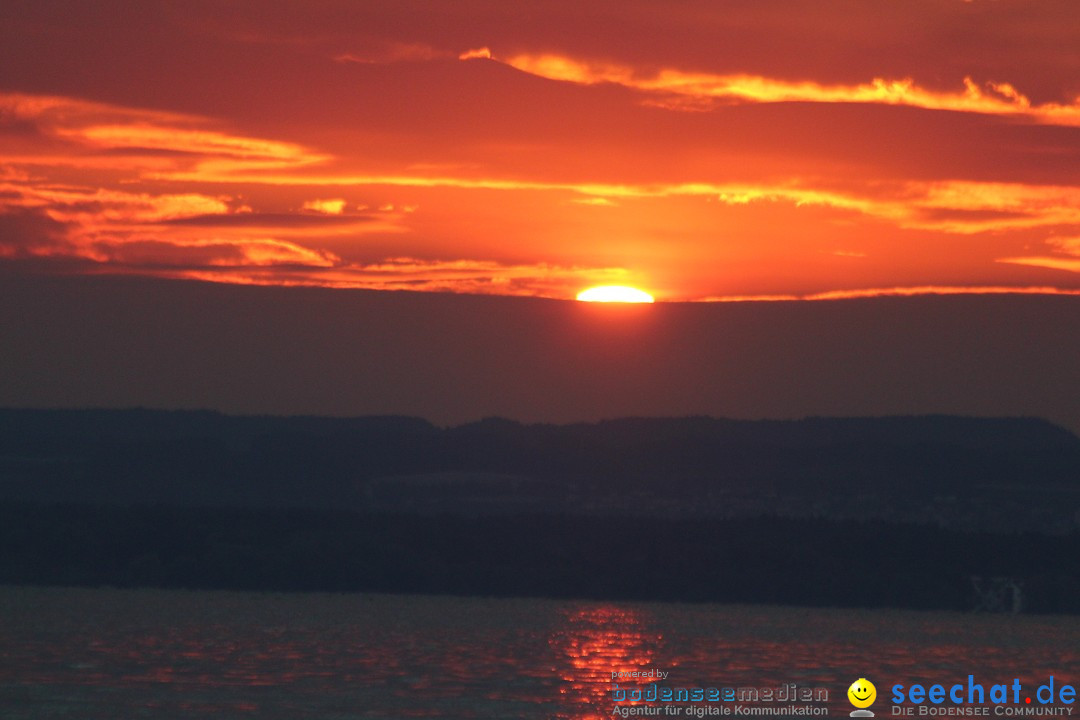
693	90
107	217
56	111
162	141
70	204
475	53
329	207
204	142
898	292
1066	256
403	273
151	254
1050	262
106	226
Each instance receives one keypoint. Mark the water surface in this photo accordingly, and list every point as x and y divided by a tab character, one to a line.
91	654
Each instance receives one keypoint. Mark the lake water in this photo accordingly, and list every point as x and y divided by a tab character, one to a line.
87	653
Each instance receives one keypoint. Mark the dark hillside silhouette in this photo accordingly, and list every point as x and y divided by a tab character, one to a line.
847	512
966	473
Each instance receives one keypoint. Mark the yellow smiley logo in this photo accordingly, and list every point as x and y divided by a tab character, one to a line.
862	693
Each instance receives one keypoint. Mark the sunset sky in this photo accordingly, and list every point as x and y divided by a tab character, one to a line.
700	150
202	204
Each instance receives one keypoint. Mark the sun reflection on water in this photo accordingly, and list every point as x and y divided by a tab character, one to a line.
596	641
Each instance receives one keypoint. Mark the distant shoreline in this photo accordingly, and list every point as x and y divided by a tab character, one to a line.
815	563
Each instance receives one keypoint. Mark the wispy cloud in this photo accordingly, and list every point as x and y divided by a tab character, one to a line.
76	204
377	52
152	255
483	277
110	215
695	90
595	201
911	291
475	53
1064	255
93	134
335	206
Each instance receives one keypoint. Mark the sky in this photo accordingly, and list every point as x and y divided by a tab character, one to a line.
700	151
841	207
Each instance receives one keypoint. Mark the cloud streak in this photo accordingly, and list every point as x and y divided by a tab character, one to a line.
958	207
685	90
911	291
105	136
1064	255
482	277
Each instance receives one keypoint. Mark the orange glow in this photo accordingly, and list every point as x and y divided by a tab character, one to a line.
531	162
614	294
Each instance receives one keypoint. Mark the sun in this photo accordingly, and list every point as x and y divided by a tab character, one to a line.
614	293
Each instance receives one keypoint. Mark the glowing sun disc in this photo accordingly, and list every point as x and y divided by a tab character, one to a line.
614	293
